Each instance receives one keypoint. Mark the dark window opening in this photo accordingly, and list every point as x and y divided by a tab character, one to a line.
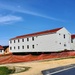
36	44
32	38
27	46
71	40
64	45
59	43
0	50
27	39
64	36
18	40
22	40
32	46
22	47
14	41
14	47
18	47
10	48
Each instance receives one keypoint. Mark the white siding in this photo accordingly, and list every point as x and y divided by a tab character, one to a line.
64	41
1	51
73	44
41	43
44	43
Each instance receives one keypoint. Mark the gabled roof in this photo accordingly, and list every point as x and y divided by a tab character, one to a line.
73	36
1	47
37	33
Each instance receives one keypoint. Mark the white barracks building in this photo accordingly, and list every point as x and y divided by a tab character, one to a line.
54	40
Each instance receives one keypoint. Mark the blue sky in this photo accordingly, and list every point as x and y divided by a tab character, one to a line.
19	17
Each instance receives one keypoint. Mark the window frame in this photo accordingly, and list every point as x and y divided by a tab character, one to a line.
64	36
22	47
14	41
14	47
27	46
18	47
22	40
27	39
71	40
32	38
18	40
64	45
1	51
33	46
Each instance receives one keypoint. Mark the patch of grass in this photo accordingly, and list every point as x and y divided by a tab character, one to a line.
5	71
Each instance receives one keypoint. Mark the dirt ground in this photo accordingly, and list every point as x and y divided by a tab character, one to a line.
38	66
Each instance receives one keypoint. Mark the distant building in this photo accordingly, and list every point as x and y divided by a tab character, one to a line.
6	49
73	42
1	50
54	40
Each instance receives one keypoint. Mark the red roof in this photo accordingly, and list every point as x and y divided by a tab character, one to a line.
73	36
1	47
37	33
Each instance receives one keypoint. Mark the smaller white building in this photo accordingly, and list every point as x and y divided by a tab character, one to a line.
53	40
1	50
73	42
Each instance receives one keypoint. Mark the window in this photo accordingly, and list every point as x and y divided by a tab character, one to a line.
14	47
10	41
36	36
14	41
27	46
59	43
71	40
64	45
32	38
0	50
18	40
32	46
64	36
27	39
18	47
10	48
22	47
22	40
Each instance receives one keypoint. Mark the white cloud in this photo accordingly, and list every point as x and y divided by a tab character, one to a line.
24	10
9	19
